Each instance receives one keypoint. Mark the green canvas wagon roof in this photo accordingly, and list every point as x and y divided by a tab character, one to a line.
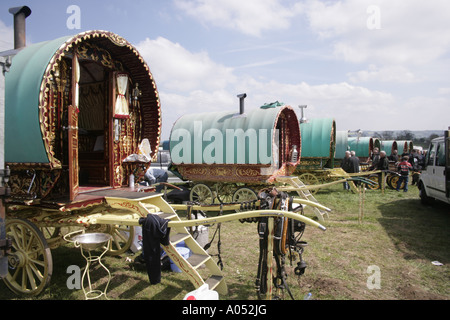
405	146
363	146
341	144
388	146
26	89
23	137
318	138
261	121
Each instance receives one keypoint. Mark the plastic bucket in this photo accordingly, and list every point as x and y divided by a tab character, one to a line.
185	253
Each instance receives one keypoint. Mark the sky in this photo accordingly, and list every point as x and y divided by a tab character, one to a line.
374	65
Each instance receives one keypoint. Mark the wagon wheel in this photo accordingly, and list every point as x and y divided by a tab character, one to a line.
202	194
225	192
122	238
376	180
30	263
244	194
309	179
390	182
393	180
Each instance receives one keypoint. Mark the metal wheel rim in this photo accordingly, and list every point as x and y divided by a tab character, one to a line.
202	194
244	194
309	179
30	262
375	179
393	182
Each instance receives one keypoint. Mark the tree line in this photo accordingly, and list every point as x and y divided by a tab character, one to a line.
405	135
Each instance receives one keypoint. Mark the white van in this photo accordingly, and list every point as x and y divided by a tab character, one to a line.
434	182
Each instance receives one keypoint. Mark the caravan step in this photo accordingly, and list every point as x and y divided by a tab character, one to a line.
178	237
213	281
196	260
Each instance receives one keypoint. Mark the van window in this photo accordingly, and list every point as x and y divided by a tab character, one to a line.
431	155
440	155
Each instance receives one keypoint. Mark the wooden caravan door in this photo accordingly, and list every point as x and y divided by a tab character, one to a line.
73	152
73	130
119	114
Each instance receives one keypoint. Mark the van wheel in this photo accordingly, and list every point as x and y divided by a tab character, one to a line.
424	198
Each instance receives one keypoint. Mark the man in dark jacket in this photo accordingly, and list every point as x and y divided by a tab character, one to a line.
345	165
383	163
375	159
354	164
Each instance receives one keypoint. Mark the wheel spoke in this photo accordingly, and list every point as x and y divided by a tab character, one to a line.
36	271
30	260
31	280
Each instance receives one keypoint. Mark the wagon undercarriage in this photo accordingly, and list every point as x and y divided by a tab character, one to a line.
35	230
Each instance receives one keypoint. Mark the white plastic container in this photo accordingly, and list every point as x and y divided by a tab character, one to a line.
202	293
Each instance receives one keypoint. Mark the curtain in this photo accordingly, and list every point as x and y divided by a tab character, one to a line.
121	106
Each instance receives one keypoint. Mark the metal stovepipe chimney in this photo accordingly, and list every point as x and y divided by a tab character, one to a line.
20	14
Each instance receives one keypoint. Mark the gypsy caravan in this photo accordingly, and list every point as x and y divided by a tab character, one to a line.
318	143
405	147
82	113
389	146
363	147
76	108
318	149
219	151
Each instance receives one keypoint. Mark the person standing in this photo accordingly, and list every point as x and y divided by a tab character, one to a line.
345	165
354	164
383	163
394	156
375	159
404	168
354	160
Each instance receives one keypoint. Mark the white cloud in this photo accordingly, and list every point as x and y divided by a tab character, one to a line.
426	113
6	37
412	39
251	17
411	32
444	90
177	69
351	106
396	74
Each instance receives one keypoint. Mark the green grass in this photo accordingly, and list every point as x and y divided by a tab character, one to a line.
397	234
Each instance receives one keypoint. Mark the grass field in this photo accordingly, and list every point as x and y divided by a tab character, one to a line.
397	237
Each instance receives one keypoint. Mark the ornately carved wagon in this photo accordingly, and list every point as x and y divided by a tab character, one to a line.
82	115
225	153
